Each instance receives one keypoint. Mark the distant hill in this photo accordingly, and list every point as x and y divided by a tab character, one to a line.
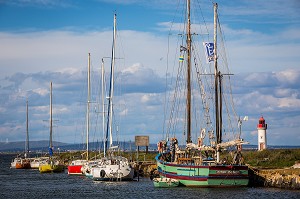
42	146
34	145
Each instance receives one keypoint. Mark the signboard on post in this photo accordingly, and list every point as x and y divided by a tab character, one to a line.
142	141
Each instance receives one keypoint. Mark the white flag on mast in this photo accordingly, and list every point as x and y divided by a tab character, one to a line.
209	51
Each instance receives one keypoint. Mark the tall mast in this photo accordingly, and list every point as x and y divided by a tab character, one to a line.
217	76
220	76
188	100
111	88
218	87
103	107
27	133
88	107
112	79
50	140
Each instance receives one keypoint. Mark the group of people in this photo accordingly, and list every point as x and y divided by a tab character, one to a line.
163	148
169	154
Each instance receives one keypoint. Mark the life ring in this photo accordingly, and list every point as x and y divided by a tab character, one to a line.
102	173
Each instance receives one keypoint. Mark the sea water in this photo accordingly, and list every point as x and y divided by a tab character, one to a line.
32	184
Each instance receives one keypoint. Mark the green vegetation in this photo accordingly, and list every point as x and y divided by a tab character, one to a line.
131	156
272	158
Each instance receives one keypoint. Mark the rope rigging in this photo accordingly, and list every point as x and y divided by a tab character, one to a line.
203	82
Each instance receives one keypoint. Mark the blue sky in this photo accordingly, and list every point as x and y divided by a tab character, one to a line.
48	40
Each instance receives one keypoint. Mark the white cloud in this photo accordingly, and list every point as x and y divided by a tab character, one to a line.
145	98
143	112
41	91
133	69
289	103
289	76
265	66
124	112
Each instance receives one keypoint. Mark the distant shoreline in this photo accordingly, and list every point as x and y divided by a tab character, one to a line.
42	146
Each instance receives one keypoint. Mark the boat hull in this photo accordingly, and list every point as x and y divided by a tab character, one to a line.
48	168
86	167
204	175
24	164
13	164
163	182
75	167
20	163
112	173
75	170
35	165
36	162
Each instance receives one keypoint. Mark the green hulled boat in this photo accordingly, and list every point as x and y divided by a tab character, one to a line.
213	158
164	182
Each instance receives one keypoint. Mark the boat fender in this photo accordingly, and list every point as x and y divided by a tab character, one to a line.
102	173
202	133
159	147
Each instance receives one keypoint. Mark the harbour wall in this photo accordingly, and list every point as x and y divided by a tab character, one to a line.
288	178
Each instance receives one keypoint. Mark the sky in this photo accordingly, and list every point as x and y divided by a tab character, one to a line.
49	40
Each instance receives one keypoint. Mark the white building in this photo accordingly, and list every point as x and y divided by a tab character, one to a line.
262	137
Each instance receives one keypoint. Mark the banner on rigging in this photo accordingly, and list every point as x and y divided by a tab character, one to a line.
50	151
209	51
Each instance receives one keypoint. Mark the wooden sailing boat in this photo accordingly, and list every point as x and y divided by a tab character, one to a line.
199	164
80	166
111	167
20	162
53	164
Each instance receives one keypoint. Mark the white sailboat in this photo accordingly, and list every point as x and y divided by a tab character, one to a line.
53	164
20	162
112	167
88	165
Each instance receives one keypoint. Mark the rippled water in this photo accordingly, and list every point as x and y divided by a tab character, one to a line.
31	184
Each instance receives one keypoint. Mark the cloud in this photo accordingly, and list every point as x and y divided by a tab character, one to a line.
275	89
57	50
142	109
282	81
275	95
289	78
263	57
69	100
272	12
143	86
139	79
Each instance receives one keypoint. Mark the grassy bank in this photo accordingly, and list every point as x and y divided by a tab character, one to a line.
132	156
270	158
